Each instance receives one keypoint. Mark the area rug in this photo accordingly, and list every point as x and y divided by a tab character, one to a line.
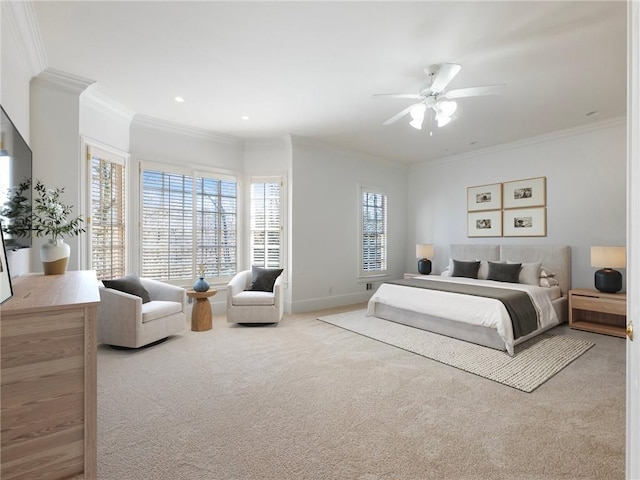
535	361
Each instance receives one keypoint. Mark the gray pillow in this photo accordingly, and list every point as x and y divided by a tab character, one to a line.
130	284
465	269
504	272
263	279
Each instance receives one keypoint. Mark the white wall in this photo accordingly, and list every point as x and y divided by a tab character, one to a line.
326	206
586	193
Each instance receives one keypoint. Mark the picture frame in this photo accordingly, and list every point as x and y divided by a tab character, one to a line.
525	222
484	197
6	289
487	223
530	192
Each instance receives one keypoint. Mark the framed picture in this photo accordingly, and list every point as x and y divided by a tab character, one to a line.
484	224
531	192
6	291
525	222
484	197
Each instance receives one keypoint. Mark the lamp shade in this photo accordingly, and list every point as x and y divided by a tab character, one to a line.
424	250
608	257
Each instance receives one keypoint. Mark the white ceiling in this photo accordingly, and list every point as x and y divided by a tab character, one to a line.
312	68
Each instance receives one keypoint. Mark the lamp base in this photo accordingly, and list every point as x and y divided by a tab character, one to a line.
424	266
608	280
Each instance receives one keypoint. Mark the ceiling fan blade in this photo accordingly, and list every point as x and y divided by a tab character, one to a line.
399	95
475	91
443	76
398	116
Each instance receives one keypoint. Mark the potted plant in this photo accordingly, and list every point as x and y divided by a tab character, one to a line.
48	217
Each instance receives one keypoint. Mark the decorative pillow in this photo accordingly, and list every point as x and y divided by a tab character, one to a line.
130	284
446	272
483	271
263	279
465	269
545	272
548	282
504	272
530	273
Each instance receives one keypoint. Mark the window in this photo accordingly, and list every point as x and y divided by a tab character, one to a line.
266	223
188	221
106	224
374	233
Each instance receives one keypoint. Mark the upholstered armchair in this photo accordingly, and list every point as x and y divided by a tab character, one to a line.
140	318
254	306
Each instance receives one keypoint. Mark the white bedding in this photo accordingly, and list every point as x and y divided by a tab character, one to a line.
486	312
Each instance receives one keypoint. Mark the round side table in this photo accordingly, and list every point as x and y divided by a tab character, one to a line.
201	313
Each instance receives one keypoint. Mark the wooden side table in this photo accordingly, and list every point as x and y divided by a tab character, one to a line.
201	314
598	312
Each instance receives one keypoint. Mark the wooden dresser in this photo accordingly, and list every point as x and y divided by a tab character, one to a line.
48	377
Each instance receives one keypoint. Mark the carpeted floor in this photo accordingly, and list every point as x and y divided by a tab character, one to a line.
307	400
534	361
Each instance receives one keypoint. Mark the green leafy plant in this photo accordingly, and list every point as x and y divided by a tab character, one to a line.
49	216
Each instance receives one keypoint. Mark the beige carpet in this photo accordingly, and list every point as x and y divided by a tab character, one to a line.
535	361
306	400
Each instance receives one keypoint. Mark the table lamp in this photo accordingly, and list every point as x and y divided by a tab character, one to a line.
607	279
423	252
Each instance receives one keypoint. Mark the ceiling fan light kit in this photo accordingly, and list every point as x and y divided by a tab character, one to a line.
433	96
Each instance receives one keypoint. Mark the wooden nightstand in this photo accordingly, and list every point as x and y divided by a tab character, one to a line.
598	312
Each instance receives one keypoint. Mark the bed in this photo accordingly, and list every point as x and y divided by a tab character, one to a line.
422	303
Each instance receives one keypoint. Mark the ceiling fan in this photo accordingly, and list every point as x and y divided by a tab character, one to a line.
434	96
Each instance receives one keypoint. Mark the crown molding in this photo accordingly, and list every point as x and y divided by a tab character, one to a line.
177	128
103	103
23	26
547	137
64	80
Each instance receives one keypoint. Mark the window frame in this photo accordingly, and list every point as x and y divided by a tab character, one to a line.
361	234
281	213
194	173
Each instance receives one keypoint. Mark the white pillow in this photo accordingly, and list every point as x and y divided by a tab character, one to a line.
529	273
446	272
545	272
548	282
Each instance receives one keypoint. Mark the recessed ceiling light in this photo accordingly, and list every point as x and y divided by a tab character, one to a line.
592	113
244	117
179	99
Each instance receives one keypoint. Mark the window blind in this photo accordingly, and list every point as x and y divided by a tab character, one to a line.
266	223
374	232
108	212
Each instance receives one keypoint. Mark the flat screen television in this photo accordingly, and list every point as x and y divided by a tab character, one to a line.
15	185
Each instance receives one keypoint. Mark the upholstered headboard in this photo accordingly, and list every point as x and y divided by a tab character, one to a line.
554	257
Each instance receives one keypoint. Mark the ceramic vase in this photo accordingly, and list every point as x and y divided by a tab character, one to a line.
201	285
55	256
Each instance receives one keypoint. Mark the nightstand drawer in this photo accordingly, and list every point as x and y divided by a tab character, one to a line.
595	304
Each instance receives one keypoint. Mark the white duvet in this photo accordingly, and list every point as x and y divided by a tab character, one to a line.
486	312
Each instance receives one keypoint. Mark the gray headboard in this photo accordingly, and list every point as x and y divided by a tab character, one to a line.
554	257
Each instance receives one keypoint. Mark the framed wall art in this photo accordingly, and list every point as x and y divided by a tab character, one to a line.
531	192
484	224
525	222
484	197
6	291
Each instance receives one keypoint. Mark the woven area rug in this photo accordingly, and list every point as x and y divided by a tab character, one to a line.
535	361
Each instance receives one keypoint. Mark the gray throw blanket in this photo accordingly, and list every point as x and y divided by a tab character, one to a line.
523	313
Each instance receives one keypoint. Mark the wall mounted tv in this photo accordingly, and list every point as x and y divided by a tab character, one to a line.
15	185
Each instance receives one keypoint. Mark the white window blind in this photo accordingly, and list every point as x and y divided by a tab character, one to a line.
187	221
374	232
107	230
266	223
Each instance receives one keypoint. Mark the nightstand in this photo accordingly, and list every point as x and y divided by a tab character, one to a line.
598	312
411	275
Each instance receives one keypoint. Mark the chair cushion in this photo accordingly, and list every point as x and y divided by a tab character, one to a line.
156	309
130	284
250	298
263	279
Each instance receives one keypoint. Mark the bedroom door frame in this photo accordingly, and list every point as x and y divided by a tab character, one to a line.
633	240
